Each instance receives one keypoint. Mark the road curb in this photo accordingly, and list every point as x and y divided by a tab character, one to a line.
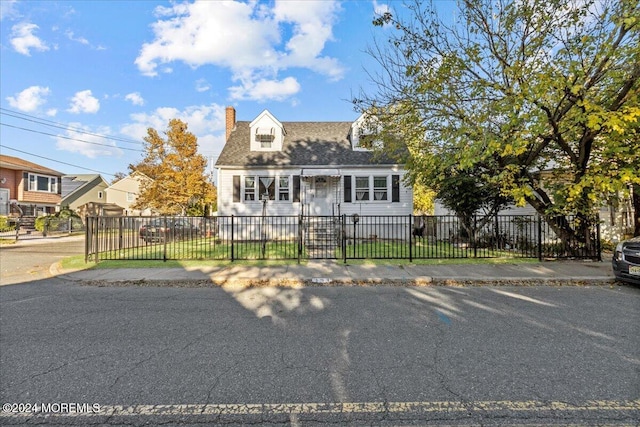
309	283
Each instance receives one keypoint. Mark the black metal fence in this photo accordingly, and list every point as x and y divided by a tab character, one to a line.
332	237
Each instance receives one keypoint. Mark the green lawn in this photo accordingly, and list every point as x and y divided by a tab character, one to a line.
421	249
206	251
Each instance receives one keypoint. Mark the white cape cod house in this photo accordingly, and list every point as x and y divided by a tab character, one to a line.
273	168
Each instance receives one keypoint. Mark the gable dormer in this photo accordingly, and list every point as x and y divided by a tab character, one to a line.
267	133
361	127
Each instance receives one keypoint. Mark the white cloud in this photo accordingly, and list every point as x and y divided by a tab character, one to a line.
23	38
202	85
135	98
265	89
77	139
380	9
206	122
71	36
247	38
8	9
29	99
84	102
52	112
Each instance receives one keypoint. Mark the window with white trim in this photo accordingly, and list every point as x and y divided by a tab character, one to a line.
131	197
283	188
267	188
43	183
249	188
379	188
265	137
362	188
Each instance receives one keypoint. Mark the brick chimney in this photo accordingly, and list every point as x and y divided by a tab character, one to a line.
230	122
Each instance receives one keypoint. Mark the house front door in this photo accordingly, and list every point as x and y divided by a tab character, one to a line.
4	201
321	196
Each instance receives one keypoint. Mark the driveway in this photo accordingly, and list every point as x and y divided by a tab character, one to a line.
28	260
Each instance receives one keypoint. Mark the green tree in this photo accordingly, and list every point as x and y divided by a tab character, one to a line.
541	94
178	173
423	199
469	193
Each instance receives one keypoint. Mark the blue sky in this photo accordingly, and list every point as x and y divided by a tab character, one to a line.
81	81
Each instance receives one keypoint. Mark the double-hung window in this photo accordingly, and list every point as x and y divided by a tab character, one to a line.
259	188
379	188
283	188
47	184
249	188
362	188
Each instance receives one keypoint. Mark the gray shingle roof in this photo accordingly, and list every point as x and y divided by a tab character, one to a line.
305	144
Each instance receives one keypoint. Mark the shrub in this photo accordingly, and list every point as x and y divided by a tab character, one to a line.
6	224
59	221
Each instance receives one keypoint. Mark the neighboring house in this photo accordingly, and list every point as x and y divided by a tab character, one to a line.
616	220
78	190
35	188
124	193
99	209
310	168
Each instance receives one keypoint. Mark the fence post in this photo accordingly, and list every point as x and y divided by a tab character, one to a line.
86	239
96	250
166	230
120	233
299	237
598	242
539	237
411	220
344	237
232	238
473	236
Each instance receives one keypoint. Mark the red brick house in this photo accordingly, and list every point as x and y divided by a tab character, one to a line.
37	189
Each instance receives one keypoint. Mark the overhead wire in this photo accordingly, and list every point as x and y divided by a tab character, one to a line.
51	123
56	161
71	139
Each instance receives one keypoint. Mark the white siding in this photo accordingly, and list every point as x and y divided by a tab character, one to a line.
375	207
440	210
226	206
266	123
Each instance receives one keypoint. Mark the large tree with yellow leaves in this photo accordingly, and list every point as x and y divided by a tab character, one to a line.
178	183
540	96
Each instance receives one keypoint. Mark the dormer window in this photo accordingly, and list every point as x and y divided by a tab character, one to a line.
267	133
265	137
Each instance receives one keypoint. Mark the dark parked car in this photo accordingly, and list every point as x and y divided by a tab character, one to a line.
626	261
161	229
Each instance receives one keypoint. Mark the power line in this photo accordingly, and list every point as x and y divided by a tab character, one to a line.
56	161
51	123
71	139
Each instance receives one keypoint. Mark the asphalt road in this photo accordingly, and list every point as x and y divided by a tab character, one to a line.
27	261
319	356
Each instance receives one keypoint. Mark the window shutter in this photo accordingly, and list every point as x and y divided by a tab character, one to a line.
25	181
236	188
296	188
395	188
59	185
347	188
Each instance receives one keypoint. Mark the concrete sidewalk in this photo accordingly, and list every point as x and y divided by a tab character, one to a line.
336	272
328	272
